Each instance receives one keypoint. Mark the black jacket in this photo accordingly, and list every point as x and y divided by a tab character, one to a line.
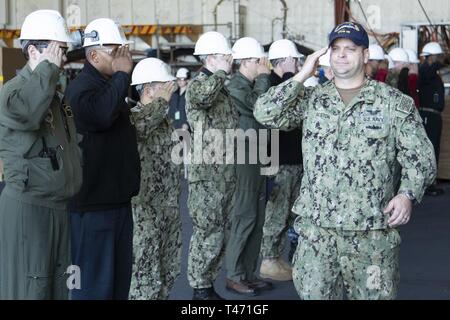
178	104
431	87
111	164
290	141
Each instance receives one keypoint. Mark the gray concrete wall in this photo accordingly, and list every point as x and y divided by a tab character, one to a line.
308	21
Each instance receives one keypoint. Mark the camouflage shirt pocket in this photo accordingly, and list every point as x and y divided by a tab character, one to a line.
321	124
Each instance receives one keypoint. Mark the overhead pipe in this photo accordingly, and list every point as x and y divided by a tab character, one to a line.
215	13
285	10
273	25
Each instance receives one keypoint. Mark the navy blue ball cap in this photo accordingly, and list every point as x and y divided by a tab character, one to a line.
350	30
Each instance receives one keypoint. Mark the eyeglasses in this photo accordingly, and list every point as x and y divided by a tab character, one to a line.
41	47
109	51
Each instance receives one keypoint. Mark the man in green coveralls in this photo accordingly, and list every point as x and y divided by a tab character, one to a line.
39	147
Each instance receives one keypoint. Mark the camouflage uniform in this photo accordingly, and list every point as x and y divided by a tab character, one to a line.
279	215
211	186
368	263
356	158
157	223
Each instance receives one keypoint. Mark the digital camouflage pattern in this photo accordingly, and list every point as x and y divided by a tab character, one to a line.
279	215
210	206
208	106
160	177
157	223
211	186
355	157
363	264
156	251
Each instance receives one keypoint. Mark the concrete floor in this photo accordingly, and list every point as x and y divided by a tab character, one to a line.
424	256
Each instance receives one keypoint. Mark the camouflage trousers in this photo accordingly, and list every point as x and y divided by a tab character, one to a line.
210	205
279	215
329	262
156	251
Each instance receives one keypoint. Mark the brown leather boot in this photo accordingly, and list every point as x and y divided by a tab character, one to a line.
271	268
240	287
259	284
286	265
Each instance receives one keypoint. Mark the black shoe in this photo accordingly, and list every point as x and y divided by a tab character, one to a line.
206	294
434	191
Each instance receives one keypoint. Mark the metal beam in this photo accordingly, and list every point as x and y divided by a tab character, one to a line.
4	13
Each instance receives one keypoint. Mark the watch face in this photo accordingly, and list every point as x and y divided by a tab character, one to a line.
409	195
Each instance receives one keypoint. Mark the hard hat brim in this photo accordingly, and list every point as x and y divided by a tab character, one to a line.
67	39
168	79
123	43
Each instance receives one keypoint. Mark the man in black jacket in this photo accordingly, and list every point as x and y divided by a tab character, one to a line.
431	97
101	216
177	104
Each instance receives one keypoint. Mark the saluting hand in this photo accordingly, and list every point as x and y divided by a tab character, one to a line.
224	63
400	208
310	66
122	60
263	66
165	91
53	54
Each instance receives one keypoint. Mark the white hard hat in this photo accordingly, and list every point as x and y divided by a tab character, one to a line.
246	48
399	55
324	60
412	56
283	48
431	48
376	52
151	70
104	31
183	73
390	61
45	25
212	42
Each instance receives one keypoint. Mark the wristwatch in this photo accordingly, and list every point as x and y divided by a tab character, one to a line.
410	195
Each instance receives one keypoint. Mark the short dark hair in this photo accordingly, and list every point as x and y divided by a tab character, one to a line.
39	44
